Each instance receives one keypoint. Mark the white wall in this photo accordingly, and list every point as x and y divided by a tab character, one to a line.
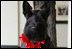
62	34
9	23
69	26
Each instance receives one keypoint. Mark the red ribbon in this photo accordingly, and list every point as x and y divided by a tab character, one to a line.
38	44
29	44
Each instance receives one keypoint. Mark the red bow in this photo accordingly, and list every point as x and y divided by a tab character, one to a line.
29	44
38	44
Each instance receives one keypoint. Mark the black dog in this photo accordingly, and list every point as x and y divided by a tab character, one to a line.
36	25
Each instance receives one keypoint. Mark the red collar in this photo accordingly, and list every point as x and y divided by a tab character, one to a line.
29	44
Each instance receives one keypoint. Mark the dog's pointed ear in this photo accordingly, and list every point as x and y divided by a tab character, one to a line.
27	9
45	10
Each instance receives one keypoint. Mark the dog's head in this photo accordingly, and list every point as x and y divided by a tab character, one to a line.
36	25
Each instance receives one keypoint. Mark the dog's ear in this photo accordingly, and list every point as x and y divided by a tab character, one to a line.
27	9
45	10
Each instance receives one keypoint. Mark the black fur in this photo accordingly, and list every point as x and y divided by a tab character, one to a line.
36	25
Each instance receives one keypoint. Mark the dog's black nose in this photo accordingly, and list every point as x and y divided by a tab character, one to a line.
33	27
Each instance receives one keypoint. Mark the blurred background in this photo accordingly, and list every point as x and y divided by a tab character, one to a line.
13	22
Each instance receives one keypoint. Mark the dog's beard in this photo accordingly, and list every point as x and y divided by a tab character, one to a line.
34	35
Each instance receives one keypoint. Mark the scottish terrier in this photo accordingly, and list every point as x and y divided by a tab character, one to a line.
36	25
